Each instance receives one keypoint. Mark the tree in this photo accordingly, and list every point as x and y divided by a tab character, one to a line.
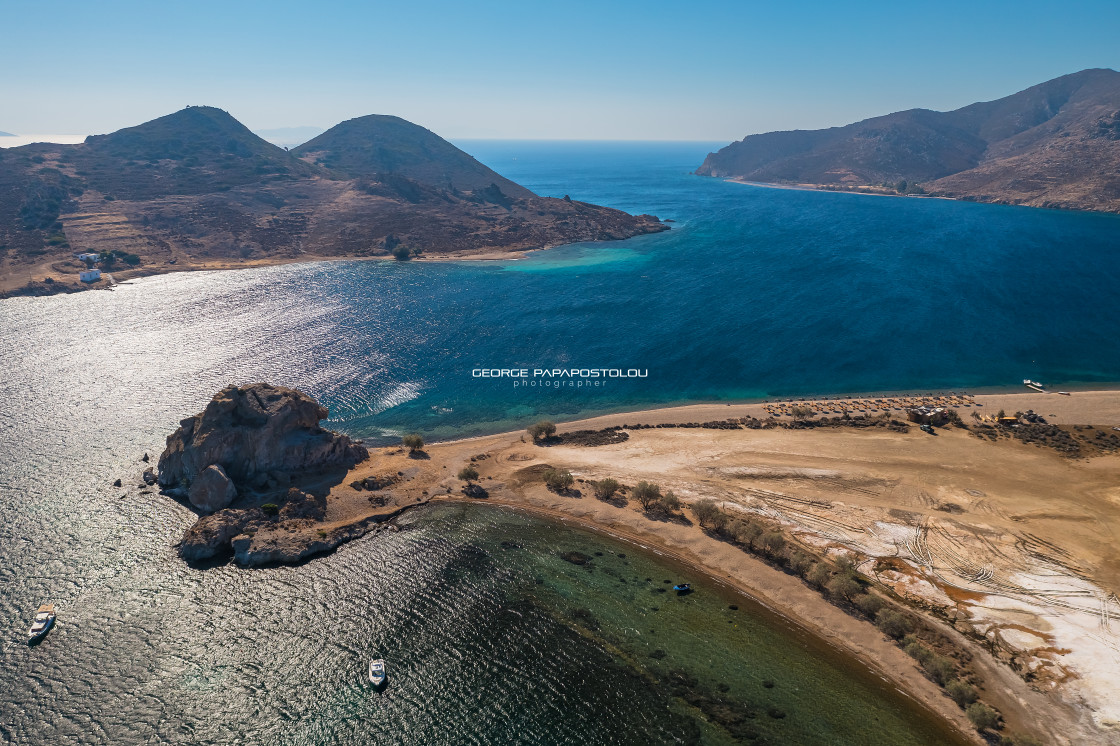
707	512
669	503
869	604
401	253
892	623
542	430
745	532
468	474
819	575
800	563
559	481
605	489
647	494
844	586
801	412
982	716
772	542
413	442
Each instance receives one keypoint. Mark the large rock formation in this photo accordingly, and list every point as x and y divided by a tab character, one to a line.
212	489
252	433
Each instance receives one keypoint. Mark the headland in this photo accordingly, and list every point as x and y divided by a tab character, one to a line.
993	541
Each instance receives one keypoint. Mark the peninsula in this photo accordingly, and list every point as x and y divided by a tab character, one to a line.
1056	144
197	190
992	540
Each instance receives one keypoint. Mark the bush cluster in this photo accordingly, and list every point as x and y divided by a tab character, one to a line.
542	430
844	586
559	480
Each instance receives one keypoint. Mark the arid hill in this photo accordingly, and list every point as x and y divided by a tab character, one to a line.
1056	144
196	189
369	146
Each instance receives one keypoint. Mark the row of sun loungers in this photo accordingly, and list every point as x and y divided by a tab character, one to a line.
868	406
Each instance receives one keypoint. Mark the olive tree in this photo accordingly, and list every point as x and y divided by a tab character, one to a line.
413	442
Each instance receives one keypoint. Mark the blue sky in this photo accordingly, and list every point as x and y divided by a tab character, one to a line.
565	70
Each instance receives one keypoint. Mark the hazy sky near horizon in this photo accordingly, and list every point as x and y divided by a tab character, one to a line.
573	70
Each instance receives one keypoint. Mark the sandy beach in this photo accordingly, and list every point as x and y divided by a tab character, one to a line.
1009	548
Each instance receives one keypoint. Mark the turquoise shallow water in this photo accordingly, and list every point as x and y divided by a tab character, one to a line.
755	293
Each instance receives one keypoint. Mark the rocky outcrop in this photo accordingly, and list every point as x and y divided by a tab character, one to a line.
276	544
253	433
212	489
245	447
303	505
211	535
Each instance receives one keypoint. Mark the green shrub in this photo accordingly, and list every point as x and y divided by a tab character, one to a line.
892	623
819	575
961	692
270	509
869	604
468	474
647	494
982	716
918	651
413	442
844	586
744	531
558	480
669	503
772	542
940	669
542	430
605	489
800	563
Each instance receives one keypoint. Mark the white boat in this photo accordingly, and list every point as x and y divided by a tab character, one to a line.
377	672
44	618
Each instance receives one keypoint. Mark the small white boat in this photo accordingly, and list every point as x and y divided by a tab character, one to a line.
377	672
44	619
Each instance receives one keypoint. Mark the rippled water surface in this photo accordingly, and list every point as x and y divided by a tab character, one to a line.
756	292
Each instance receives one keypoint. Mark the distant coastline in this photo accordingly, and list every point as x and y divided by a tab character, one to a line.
870	190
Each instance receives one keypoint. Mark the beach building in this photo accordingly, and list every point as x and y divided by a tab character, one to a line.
89	258
90	275
928	415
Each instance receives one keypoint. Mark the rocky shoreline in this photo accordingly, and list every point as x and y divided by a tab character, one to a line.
258	467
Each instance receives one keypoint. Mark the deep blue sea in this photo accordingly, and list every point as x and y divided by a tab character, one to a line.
755	293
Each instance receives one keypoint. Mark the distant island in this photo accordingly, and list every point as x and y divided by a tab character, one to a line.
1056	144
197	190
6	134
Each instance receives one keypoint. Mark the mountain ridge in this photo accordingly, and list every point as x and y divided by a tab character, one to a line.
197	189
1055	144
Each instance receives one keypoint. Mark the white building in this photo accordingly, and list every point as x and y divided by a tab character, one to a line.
91	258
90	275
